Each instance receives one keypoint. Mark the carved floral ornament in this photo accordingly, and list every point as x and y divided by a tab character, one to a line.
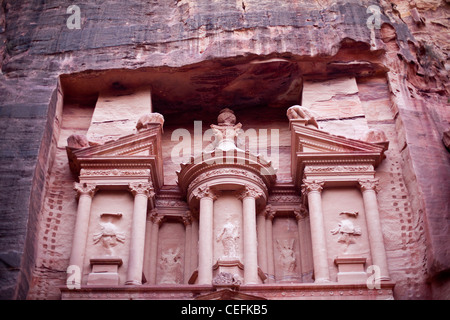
142	188
227	171
312	186
249	191
326	169
205	191
85	188
369	184
115	172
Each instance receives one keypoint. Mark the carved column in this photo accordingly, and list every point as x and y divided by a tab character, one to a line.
300	215
141	192
248	197
194	246
157	220
205	242
187	221
369	192
262	243
270	214
85	193
313	190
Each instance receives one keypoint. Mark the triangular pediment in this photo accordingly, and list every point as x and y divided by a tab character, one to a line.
144	143
135	152
325	152
312	140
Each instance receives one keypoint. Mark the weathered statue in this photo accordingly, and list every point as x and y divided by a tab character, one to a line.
301	113
347	230
287	255
109	237
146	120
229	238
170	262
226	131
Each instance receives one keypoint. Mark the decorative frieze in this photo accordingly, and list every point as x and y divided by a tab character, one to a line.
338	169
239	173
114	172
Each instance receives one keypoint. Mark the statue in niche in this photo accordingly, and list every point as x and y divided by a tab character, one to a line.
229	238
346	230
109	237
287	255
170	263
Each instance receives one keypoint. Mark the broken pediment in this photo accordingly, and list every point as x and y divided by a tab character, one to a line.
325	153
136	156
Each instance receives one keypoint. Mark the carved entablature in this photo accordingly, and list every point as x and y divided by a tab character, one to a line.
318	155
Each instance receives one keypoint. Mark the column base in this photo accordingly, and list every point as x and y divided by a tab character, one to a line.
133	283
351	269
104	271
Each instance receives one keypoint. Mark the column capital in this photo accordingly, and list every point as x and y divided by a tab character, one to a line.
270	212
155	217
312	185
249	191
301	212
85	188
142	188
187	218
205	192
369	184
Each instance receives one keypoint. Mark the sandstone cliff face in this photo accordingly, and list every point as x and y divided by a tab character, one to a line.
408	57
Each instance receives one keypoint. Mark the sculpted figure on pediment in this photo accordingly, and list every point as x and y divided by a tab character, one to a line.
301	113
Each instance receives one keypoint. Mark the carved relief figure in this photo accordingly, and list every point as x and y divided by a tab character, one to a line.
346	230
229	238
287	255
170	263
109	237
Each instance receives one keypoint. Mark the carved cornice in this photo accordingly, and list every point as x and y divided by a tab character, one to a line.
369	184
85	188
142	188
312	186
